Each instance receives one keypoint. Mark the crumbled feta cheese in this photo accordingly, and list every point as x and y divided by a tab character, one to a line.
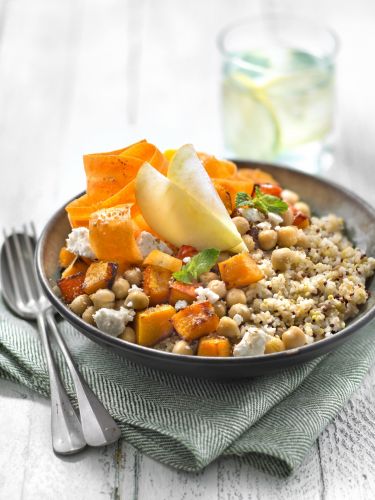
78	242
310	340
252	214
253	343
264	225
147	242
185	260
238	319
274	219
111	321
180	304
204	294
135	288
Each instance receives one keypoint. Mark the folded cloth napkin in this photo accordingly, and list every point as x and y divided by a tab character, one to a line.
271	421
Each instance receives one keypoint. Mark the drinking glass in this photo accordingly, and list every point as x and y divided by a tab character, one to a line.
278	91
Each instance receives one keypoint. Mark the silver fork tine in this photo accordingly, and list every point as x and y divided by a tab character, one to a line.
24	276
11	267
30	253
34	235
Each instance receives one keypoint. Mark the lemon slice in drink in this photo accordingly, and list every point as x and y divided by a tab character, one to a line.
251	126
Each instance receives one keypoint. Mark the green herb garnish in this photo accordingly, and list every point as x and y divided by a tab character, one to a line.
263	202
202	262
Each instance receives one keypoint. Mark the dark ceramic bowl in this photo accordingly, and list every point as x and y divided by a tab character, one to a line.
323	196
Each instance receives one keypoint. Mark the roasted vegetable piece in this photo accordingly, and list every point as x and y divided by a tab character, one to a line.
162	259
156	284
301	220
112	235
153	324
256	175
234	186
181	291
240	270
214	347
78	265
66	257
186	251
272	189
224	196
71	287
195	321
99	275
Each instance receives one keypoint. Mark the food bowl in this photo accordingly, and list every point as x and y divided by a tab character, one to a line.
323	197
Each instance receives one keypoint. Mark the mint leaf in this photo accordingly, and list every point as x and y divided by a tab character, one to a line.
263	202
200	263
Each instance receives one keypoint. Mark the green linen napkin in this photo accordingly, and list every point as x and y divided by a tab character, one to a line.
270	421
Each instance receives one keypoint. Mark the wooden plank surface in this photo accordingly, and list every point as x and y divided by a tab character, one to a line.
84	75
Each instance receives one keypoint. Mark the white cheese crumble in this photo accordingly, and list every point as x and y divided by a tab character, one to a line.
204	294
78	242
253	343
111	321
252	214
274	219
135	288
238	319
264	225
186	260
180	304
147	242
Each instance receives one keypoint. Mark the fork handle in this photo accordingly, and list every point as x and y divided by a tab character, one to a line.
67	436
98	426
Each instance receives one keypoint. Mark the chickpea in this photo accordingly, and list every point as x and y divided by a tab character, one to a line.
288	217
205	278
223	256
293	337
267	239
289	196
134	276
87	316
128	334
218	287
287	236
137	300
249	242
120	288
240	309
274	345
303	207
282	259
228	328
241	224
103	298
182	347
220	308
80	304
303	240
235	296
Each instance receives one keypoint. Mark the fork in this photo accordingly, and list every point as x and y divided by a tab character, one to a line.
69	433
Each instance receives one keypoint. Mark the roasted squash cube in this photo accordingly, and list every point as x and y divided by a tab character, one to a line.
78	265
112	235
156	284
181	291
154	324
301	220
162	259
240	270
99	275
71	287
214	347
66	257
196	320
224	196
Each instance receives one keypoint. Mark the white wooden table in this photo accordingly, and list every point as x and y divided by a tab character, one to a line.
88	75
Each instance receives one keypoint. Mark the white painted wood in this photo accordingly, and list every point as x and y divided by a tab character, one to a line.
87	75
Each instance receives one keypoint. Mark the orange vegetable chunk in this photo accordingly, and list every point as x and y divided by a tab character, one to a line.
66	257
112	235
234	186
225	196
256	175
71	287
154	324
156	284
181	291
78	265
214	347
162	259
99	275
195	321
240	270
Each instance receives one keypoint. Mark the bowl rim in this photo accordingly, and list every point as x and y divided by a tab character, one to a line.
147	352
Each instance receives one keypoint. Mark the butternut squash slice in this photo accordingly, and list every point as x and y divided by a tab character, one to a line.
162	259
181	291
195	321
71	287
99	275
156	284
240	270
154	324
214	347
